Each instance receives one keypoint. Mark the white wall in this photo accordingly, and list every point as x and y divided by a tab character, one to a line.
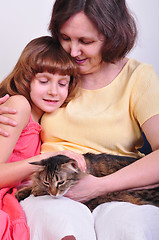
23	20
20	22
147	48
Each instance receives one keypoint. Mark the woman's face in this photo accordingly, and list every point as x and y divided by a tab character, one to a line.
81	39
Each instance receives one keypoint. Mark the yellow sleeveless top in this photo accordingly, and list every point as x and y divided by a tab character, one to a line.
106	119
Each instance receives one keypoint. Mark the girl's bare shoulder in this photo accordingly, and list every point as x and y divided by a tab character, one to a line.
22	106
17	101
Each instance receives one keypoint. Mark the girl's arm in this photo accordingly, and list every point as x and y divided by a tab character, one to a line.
3	119
143	173
9	173
13	173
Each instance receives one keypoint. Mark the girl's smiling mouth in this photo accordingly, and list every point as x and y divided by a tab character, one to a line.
51	101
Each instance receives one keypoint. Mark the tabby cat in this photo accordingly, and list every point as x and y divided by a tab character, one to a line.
59	173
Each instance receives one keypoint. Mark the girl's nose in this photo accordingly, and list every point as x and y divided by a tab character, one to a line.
52	91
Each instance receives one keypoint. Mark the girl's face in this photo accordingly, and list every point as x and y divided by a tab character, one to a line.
81	39
48	91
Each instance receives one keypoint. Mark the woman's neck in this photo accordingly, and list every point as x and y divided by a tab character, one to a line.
104	76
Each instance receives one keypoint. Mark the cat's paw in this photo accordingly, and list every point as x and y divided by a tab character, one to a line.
23	193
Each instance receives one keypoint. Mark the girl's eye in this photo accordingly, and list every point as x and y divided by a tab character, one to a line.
63	83
43	80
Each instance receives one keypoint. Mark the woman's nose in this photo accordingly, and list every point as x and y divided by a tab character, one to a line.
75	50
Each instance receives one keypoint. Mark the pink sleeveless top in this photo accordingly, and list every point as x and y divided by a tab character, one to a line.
29	142
12	217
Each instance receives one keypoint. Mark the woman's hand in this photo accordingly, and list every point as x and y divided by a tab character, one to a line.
78	157
87	188
3	119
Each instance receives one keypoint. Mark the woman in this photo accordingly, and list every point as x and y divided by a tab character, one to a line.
118	100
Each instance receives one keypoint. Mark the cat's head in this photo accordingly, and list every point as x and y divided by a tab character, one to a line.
57	174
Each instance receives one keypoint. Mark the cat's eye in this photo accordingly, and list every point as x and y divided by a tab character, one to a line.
56	177
46	183
60	183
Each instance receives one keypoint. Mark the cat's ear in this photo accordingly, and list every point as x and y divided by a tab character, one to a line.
72	165
39	163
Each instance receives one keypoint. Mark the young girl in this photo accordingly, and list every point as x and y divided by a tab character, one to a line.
44	79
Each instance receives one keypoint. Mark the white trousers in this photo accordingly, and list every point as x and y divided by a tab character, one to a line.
53	219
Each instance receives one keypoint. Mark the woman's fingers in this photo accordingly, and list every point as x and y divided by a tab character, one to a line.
4	109
78	157
7	121
3	133
4	99
7	110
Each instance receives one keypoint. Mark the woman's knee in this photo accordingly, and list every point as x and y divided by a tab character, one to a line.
126	220
67	217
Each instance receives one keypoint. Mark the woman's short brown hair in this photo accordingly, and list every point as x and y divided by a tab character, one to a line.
111	17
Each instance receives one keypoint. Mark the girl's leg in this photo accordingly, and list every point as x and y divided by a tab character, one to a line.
126	221
54	219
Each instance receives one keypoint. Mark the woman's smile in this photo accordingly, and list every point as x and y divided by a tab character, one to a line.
80	61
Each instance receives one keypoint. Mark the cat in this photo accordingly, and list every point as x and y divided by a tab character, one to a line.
58	173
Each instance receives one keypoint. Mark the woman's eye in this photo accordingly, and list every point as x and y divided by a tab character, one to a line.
86	42
64	37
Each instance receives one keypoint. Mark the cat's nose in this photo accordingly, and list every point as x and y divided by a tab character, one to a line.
53	191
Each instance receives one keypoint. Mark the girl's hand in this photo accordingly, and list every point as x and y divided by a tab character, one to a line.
87	188
3	119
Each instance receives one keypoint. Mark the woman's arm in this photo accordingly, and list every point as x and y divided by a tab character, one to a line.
142	173
3	119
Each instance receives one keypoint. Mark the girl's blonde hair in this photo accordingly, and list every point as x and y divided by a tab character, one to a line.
42	54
